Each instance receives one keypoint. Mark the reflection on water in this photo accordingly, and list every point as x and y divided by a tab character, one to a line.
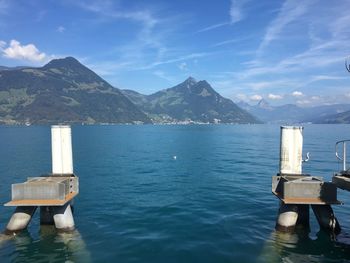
49	247
300	247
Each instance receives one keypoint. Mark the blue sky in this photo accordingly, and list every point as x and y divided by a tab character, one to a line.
282	51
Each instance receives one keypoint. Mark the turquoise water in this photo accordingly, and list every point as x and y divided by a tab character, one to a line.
137	203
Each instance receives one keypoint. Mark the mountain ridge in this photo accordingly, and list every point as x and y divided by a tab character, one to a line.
291	113
191	101
62	91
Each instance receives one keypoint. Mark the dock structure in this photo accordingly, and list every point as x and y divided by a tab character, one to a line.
53	192
298	191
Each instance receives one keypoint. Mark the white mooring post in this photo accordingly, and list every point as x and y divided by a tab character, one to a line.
62	164
61	142
291	150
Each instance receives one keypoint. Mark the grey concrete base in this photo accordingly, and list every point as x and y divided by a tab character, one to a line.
326	219
20	219
63	218
287	218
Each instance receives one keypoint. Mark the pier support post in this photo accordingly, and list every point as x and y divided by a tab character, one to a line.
287	218
46	215
326	219
63	218
20	219
303	216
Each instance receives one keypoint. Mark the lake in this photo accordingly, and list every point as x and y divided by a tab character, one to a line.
172	193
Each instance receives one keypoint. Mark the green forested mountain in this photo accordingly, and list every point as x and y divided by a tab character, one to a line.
62	91
190	101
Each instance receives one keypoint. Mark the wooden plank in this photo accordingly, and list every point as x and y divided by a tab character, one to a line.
42	202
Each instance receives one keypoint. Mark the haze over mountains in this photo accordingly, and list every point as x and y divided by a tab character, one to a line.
290	113
65	91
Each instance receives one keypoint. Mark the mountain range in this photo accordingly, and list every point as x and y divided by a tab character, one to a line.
290	113
65	91
62	91
190	101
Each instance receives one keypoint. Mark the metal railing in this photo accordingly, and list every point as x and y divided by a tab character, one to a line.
343	158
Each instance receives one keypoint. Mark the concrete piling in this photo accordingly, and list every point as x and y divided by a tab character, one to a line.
287	218
63	218
46	215
326	219
303	216
20	219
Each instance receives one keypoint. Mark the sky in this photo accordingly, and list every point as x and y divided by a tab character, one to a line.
283	51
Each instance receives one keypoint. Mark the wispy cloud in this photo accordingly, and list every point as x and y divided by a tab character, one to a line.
183	66
290	11
236	14
161	74
61	29
174	60
232	41
208	28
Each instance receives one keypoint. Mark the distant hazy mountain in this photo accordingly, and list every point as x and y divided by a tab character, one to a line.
190	101
343	117
291	113
63	91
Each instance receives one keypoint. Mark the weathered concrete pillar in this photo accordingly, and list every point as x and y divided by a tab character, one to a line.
20	219
326	219
63	217
287	218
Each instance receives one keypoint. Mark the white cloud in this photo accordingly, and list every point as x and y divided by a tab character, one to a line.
23	52
255	97
61	29
183	66
297	94
275	96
